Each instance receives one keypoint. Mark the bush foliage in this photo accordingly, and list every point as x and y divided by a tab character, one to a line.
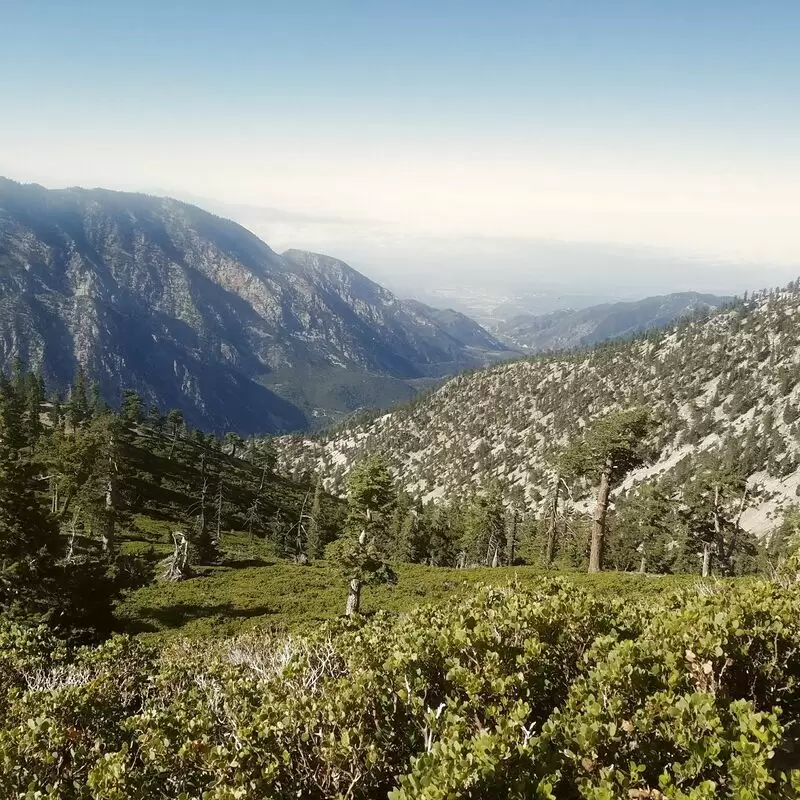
547	691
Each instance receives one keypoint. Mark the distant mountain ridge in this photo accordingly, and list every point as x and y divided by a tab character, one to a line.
195	312
563	330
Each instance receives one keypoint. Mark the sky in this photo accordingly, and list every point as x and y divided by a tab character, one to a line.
399	134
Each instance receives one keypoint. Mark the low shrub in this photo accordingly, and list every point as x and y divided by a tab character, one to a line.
539	690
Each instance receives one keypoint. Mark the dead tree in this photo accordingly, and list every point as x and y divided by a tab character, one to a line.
203	542
71	539
178	562
301	529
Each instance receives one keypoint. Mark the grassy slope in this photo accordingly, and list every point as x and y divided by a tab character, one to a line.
291	596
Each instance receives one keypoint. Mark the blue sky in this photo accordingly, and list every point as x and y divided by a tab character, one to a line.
658	123
688	67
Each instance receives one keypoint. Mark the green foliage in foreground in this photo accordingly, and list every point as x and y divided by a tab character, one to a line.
549	692
293	597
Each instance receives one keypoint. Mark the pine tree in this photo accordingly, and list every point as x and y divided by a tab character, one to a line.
406	531
78	403
315	542
442	532
96	403
484	528
713	503
34	398
132	408
86	465
370	501
56	411
645	533
611	447
29	539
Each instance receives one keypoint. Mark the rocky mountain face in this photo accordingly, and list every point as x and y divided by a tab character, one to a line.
195	312
566	329
727	383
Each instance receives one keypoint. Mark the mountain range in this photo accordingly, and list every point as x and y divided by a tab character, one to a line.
726	382
569	328
195	312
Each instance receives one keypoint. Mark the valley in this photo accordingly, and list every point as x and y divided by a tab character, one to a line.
399	401
173	598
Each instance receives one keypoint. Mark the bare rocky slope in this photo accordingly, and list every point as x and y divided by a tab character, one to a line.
730	380
197	313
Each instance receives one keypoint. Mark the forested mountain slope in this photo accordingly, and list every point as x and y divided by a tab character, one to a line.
194	312
727	383
562	330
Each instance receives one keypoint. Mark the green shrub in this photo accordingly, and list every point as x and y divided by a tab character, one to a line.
535	689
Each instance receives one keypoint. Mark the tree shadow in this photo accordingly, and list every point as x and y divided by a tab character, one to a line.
151	619
232	562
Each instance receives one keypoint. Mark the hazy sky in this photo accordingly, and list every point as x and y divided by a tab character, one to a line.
667	124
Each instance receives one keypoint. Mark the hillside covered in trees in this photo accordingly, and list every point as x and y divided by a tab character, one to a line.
95	502
569	328
722	386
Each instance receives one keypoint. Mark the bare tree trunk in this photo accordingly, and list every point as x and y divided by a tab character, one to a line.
218	539
354	589
107	535
742	505
71	541
706	559
599	519
201	516
174	441
301	542
550	550
496	557
710	547
716	513
353	597
736	527
643	565
252	517
202	541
